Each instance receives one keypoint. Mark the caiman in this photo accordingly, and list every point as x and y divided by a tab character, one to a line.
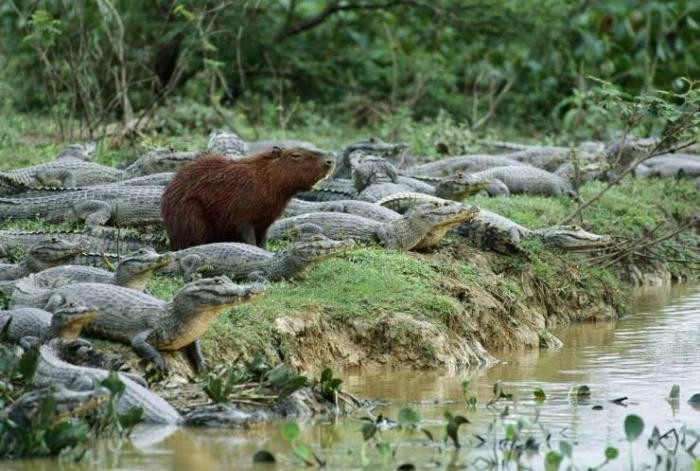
147	323
421	227
491	231
67	403
118	205
372	146
160	160
41	256
97	240
226	143
519	179
461	163
63	173
132	271
53	370
243	260
358	208
66	322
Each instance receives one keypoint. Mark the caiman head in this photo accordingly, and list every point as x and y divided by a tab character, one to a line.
573	238
159	160
52	252
440	217
197	304
68	320
312	246
368	169
136	268
67	403
458	186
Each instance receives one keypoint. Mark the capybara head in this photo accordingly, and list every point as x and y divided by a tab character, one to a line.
301	167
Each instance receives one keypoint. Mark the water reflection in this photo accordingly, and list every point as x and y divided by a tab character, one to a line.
640	356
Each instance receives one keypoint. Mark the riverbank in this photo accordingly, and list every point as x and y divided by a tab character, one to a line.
457	306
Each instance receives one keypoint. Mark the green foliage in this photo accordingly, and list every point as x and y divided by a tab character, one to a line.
328	385
634	426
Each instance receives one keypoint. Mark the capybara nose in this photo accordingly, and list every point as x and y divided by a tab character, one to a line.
330	162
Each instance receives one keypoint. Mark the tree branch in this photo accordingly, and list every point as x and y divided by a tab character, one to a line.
331	9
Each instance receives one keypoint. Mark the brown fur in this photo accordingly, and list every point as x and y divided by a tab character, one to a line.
217	199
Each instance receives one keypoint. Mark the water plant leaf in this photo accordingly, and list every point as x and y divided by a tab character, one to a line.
292	385
264	456
214	389
66	434
634	426
540	396
326	375
427	434
406	467
28	364
113	384
611	453
384	449
290	431
694	399
511	433
132	417
552	461
565	448
408	417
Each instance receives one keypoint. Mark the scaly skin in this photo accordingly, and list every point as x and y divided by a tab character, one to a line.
66	322
243	260
121	206
52	370
421	228
102	240
158	161
372	146
462	163
358	208
40	257
227	143
147	323
63	173
519	179
492	231
67	403
133	271
330	190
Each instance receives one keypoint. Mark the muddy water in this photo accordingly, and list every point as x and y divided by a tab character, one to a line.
639	357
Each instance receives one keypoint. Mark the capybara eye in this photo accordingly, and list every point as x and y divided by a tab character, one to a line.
296	155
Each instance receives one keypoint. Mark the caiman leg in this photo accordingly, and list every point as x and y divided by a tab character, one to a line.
146	350
193	352
94	212
55	177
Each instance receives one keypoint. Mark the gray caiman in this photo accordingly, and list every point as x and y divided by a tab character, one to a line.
104	239
63	173
53	370
519	179
491	231
421	227
41	256
358	208
146	323
66	322
227	143
118	205
243	260
132	271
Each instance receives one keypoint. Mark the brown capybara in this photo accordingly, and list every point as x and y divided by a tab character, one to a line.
217	199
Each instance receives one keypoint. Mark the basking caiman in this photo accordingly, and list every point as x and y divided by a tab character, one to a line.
243	260
41	256
148	324
422	227
66	322
118	205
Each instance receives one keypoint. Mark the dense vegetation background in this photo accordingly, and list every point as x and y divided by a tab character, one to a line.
523	65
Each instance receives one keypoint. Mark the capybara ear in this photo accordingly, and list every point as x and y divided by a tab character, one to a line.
276	151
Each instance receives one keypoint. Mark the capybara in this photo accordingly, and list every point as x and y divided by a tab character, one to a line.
217	199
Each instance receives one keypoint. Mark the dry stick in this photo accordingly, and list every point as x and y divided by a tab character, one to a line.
652	242
629	243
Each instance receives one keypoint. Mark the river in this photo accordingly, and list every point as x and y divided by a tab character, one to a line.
638	357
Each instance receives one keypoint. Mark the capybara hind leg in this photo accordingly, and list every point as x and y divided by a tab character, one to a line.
261	238
246	233
193	232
